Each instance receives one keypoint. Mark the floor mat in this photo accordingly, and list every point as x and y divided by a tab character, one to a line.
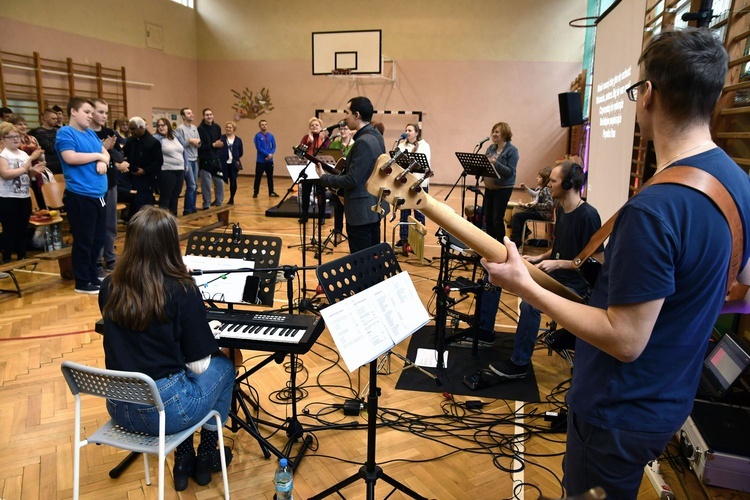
461	363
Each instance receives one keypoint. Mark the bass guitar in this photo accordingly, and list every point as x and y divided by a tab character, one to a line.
391	183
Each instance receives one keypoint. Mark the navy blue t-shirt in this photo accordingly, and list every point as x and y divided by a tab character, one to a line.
668	242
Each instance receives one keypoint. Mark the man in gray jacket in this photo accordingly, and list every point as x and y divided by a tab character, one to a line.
362	224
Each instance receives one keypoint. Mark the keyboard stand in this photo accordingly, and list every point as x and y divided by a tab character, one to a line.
292	426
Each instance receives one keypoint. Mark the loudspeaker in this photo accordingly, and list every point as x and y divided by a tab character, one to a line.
570	109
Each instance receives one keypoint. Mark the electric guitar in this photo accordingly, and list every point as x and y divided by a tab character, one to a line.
337	169
391	183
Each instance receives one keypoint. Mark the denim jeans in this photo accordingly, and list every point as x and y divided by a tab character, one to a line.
191	179
488	309
187	398
218	182
526	333
611	458
108	251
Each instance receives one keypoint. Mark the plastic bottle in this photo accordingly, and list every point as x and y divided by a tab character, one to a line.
284	481
47	240
56	237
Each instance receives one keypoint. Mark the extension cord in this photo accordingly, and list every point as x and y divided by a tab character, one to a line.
653	471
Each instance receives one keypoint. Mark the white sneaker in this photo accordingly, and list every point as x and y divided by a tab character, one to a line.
4	275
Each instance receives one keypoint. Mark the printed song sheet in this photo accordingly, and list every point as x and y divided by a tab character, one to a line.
367	324
219	287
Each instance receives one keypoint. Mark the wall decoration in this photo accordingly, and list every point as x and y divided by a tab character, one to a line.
251	106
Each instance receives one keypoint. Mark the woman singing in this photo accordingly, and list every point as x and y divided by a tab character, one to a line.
504	157
155	323
315	140
413	143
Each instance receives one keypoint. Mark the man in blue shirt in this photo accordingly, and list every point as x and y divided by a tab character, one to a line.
265	143
84	163
642	336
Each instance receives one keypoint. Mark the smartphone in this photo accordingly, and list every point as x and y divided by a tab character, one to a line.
252	288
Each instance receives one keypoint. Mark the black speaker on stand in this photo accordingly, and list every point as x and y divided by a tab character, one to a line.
571	112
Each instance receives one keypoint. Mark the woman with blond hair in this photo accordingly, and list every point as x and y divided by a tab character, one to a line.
230	156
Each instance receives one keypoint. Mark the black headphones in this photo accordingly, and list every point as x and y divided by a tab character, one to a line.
567	183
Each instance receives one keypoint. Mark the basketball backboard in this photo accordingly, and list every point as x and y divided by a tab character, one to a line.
347	52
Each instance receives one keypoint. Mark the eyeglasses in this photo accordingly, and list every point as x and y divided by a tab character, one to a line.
632	91
12	137
218	297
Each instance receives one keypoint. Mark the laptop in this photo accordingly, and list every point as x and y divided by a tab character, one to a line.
722	367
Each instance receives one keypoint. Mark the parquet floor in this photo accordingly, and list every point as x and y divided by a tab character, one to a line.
51	324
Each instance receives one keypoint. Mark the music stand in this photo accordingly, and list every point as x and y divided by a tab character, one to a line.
406	159
340	279
478	165
264	251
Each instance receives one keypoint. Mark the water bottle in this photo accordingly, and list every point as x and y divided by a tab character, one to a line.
56	237
47	240
283	480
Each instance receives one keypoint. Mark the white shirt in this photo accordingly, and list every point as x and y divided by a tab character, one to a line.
18	187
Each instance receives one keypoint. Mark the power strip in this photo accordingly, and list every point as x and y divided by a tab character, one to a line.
653	472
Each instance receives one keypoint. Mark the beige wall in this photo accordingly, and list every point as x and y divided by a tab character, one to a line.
469	30
465	65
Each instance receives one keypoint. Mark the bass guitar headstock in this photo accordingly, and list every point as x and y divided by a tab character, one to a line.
395	185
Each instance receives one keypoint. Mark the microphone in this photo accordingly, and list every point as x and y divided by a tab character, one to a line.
483	141
335	126
336	135
403	136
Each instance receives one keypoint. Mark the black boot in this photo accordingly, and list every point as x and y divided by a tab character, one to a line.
209	460
184	464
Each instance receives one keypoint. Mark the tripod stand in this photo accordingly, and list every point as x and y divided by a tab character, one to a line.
371	266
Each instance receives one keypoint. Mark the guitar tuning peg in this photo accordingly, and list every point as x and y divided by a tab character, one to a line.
397	202
378	207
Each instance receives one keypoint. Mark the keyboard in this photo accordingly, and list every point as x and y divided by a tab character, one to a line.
289	333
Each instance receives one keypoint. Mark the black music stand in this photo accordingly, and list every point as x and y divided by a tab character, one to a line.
406	159
264	251
343	278
478	165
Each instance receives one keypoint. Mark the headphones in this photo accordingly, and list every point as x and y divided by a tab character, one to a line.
567	183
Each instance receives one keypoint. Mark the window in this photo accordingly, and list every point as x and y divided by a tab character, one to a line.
186	3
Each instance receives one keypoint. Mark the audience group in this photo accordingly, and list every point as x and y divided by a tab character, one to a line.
104	166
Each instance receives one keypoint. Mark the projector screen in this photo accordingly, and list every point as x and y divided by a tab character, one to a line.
619	40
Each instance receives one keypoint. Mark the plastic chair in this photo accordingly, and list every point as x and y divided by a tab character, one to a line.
130	387
53	195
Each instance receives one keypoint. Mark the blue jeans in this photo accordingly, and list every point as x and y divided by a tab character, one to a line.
611	458
187	398
488	309
526	332
218	182
191	179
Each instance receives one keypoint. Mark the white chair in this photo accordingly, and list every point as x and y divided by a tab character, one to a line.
130	387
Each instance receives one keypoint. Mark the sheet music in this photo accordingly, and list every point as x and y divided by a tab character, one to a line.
367	324
219	287
294	171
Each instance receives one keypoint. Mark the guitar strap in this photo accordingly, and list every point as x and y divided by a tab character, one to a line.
701	181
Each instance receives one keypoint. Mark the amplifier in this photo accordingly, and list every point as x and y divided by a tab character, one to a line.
714	440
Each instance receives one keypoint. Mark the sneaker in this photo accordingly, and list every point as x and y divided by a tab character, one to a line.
507	369
110	267
485	339
100	273
255	195
4	275
273	195
216	204
88	288
188	212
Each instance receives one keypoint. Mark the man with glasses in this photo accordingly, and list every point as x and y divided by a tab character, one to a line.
643	335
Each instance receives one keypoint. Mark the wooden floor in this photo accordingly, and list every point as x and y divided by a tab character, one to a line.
449	454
